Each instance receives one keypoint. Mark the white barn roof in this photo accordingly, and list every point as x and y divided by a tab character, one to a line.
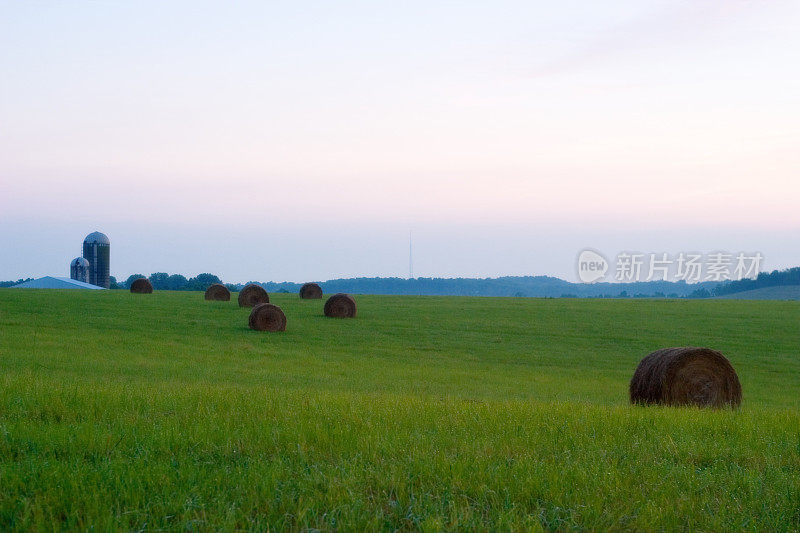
50	282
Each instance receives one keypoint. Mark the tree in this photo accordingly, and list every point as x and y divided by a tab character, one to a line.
159	281
202	281
131	279
700	293
5	284
177	282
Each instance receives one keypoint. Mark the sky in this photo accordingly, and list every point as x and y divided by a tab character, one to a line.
295	141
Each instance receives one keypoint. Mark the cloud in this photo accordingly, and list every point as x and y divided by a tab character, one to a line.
673	23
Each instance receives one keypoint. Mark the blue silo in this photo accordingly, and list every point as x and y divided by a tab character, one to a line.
97	249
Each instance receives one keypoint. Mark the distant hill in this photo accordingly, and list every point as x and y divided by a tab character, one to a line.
777	278
787	292
530	286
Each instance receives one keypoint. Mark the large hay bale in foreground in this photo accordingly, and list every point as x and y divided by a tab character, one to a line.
310	291
253	294
340	306
267	317
141	286
686	376
218	292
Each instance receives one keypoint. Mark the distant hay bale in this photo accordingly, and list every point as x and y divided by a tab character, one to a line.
267	317
686	376
340	306
253	294
310	291
141	286
218	292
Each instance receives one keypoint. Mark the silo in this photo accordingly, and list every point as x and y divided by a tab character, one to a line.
97	249
79	269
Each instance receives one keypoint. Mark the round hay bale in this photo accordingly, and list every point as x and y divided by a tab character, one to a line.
686	376
141	286
267	317
340	306
218	292
253	294
310	291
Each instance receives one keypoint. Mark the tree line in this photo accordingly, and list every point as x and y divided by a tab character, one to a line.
776	278
534	286
162	281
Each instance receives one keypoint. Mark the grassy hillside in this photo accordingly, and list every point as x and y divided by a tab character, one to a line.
786	292
164	411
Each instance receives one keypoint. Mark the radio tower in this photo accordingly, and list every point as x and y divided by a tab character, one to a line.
410	256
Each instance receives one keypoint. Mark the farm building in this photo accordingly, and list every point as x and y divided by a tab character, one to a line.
51	282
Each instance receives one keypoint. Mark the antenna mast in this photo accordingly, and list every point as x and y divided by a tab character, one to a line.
410	256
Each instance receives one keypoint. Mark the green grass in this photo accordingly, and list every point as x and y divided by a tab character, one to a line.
164	411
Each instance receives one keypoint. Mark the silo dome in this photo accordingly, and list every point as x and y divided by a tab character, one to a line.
96	238
79	262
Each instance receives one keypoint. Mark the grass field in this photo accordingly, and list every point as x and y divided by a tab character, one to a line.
164	411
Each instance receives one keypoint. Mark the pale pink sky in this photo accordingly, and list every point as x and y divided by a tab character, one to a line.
507	135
